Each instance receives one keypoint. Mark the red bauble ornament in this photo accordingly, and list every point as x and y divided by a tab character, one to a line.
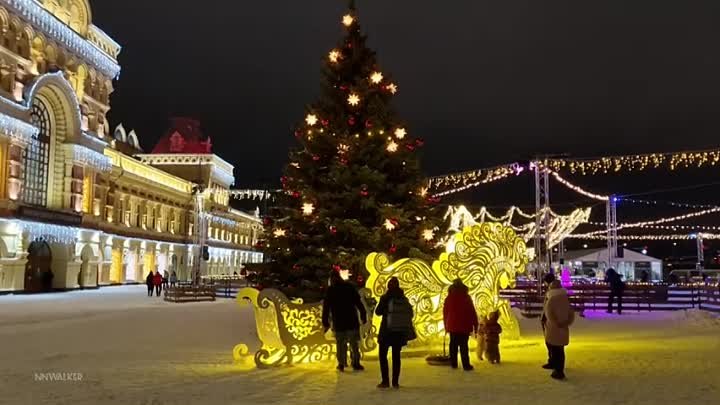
343	88
343	161
267	221
298	134
325	123
296	267
336	267
351	120
420	143
316	158
333	230
296	194
410	147
368	124
364	193
283	179
393	249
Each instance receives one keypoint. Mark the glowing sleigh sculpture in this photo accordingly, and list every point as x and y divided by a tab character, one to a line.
486	257
292	332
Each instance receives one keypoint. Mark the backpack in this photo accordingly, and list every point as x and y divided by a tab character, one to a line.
399	317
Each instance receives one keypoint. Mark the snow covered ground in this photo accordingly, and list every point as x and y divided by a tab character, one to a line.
131	349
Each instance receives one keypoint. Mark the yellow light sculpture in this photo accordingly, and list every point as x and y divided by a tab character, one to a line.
486	257
291	332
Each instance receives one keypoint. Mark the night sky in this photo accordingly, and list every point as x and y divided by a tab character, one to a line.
483	82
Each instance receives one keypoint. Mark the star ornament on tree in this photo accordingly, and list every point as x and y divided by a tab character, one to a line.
428	234
392	88
354	99
348	20
376	77
390	224
334	56
400	133
311	119
308	209
279	233
392	147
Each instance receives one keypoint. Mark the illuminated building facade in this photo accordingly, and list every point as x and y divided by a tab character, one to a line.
80	202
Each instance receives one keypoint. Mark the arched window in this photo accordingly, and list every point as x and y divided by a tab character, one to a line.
36	157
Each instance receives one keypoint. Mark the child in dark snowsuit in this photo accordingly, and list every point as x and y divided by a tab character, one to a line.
489	338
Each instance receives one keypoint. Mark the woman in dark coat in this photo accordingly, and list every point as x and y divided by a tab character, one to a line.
394	303
150	281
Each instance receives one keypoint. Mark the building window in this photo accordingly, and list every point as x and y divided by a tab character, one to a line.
36	158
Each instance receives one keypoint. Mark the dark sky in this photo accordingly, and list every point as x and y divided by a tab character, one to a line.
483	82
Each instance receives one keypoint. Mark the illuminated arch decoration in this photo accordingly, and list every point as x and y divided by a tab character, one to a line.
292	332
486	257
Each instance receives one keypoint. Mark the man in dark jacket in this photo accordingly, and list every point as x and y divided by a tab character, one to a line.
617	286
342	303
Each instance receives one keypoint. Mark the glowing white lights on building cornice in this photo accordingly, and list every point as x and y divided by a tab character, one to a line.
88	157
17	129
42	20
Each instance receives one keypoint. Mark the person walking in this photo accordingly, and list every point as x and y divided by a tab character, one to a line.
396	329
173	279
559	316
150	281
547	280
617	287
342	303
157	281
460	319
165	279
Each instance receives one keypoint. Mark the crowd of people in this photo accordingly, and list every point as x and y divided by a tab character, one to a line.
156	282
344	314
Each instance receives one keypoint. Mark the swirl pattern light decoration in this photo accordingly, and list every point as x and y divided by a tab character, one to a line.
486	257
292	332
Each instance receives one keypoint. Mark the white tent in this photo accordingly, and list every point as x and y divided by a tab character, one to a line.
631	265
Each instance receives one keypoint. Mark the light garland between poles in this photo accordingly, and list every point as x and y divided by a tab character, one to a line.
578	189
668	227
631	163
692	236
670	203
464	181
658	221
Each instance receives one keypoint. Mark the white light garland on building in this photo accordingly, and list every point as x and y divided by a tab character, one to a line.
17	129
47	23
89	157
49	233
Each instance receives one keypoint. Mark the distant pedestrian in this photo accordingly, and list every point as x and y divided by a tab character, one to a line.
150	281
343	305
617	287
173	279
559	315
396	329
165	279
460	320
157	281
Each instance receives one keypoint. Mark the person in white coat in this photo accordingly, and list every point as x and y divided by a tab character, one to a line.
559	316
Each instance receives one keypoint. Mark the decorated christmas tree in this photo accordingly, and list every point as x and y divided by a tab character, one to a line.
354	185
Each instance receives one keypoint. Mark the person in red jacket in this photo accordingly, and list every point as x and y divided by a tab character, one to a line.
460	321
158	281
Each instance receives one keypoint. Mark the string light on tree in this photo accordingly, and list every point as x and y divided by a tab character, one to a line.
376	77
353	99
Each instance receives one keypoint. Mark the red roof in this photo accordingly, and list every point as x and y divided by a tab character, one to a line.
184	136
